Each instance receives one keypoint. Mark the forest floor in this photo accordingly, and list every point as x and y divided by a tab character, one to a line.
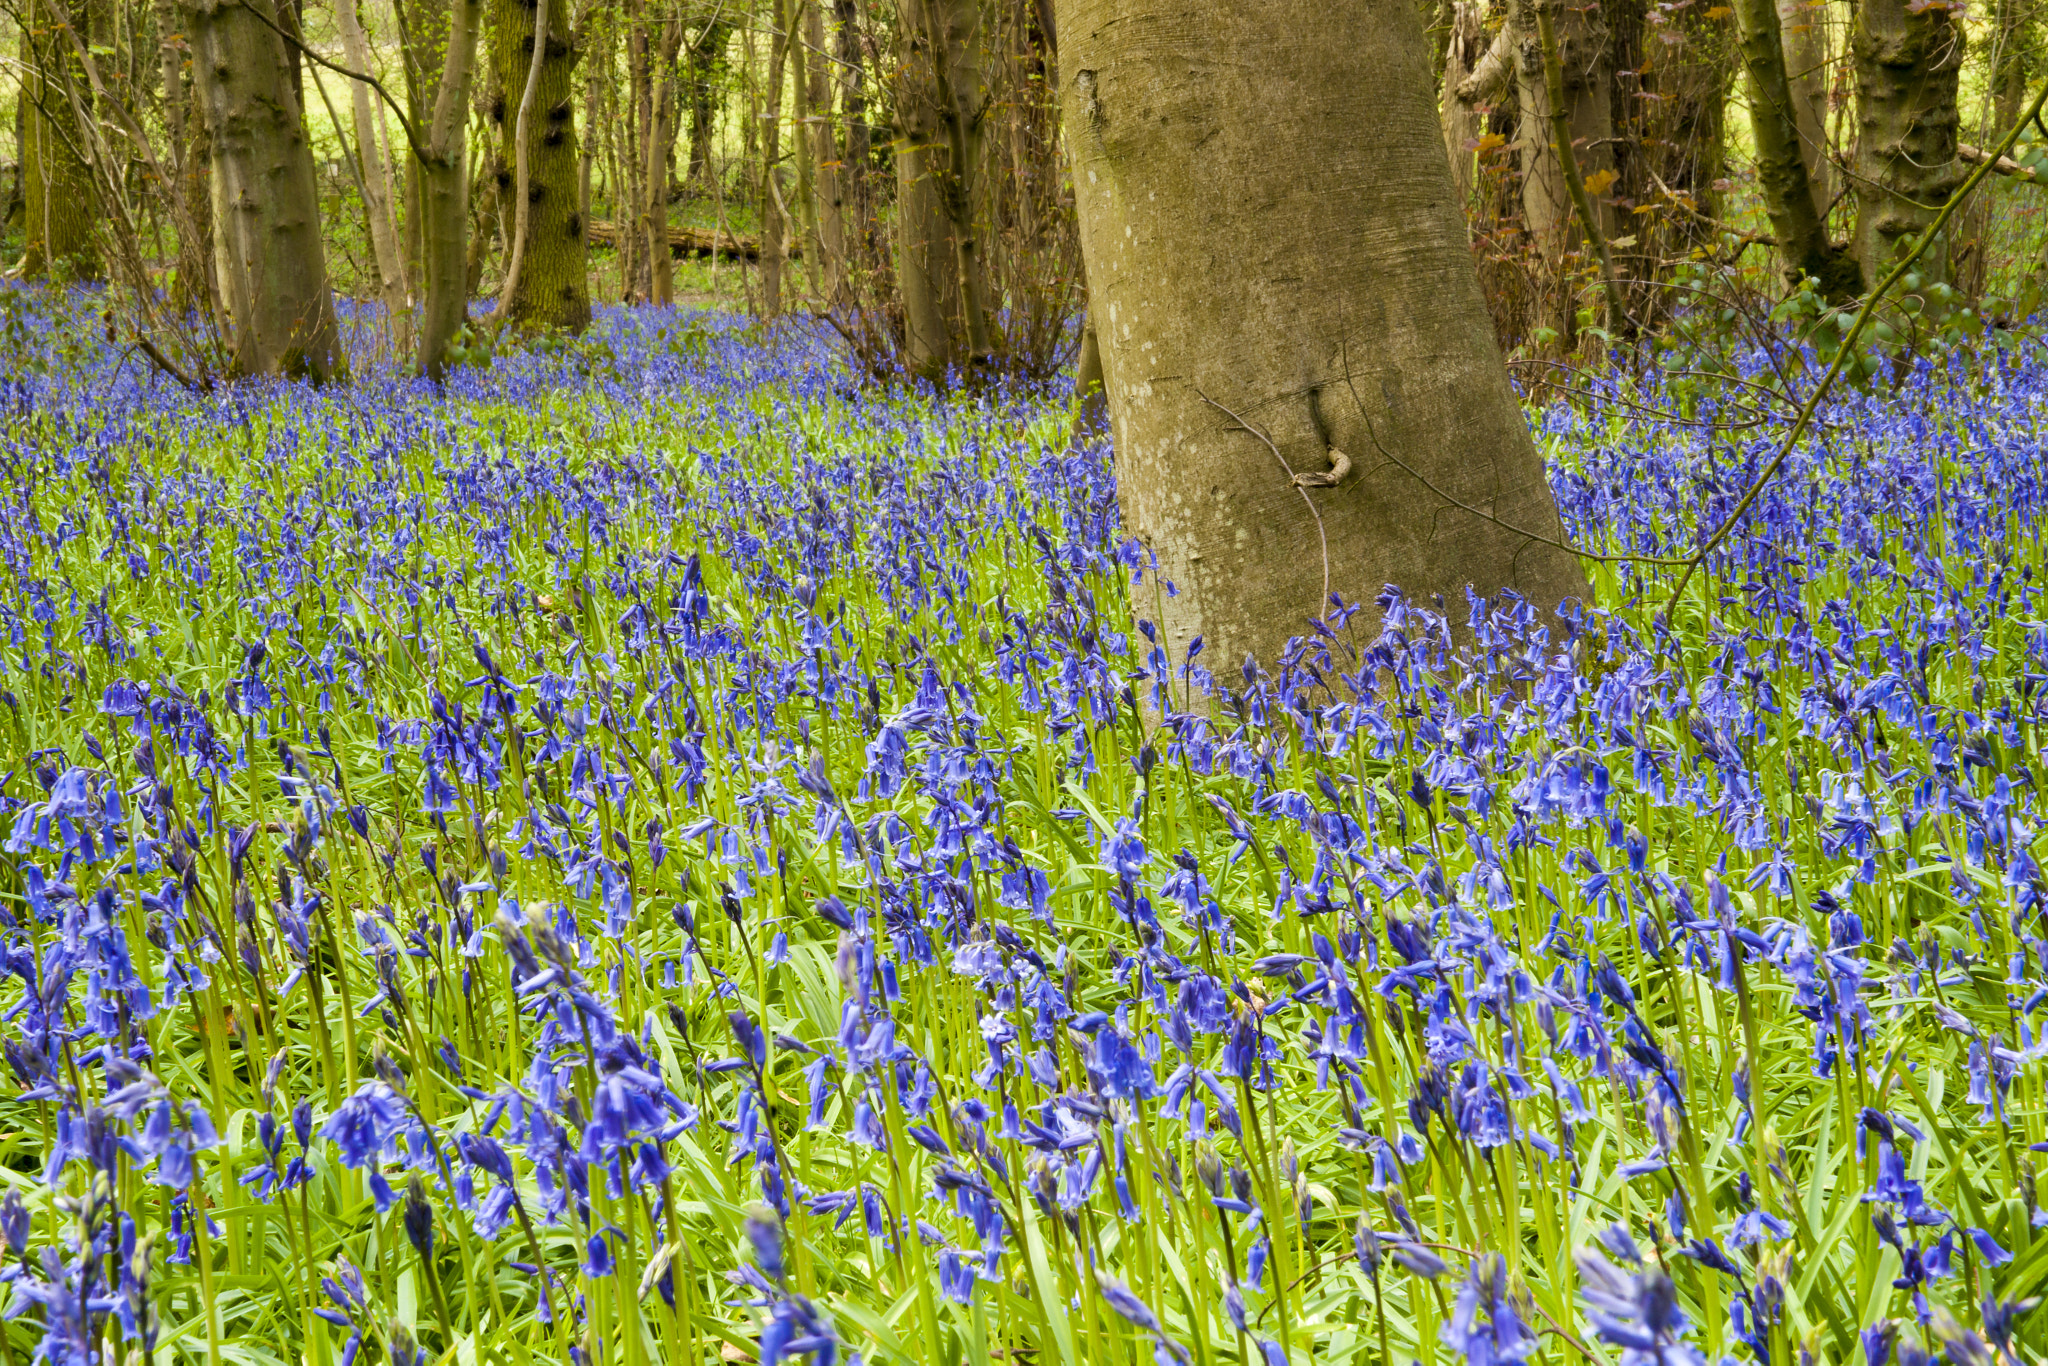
654	850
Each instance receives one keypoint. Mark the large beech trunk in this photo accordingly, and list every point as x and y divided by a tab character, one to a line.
1907	65
266	208
1269	222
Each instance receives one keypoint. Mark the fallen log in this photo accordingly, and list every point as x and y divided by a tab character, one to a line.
689	242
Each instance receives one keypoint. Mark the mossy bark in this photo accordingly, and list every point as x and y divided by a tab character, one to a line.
1791	199
60	205
1907	69
553	291
1269	223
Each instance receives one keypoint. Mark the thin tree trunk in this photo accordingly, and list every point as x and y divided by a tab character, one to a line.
1329	299
706	67
522	138
1477	71
953	31
1907	69
802	140
2014	24
1585	79
774	221
856	178
192	289
1803	25
375	171
1797	217
1589	216
927	270
266	207
660	142
825	159
636	282
441	172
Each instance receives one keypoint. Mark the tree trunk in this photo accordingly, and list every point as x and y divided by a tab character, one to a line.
1803	26
927	275
1328	297
1907	66
862	234
636	267
2014	24
60	207
192	288
1671	154
266	207
933	72
1582	43
826	158
801	139
661	135
706	69
1476	72
375	169
1789	194
774	219
484	228
440	173
952	30
552	291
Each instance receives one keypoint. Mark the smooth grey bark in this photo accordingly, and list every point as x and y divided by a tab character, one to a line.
266	209
1907	70
1269	222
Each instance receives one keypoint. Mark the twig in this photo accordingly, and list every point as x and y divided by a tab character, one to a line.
1848	345
170	367
1322	603
1419	478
